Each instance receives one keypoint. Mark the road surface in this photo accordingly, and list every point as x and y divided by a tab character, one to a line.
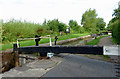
78	66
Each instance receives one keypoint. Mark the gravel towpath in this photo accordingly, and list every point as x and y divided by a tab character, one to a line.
107	41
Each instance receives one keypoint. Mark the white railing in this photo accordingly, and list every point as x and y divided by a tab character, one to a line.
33	39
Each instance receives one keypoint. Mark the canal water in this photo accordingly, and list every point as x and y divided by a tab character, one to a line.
78	42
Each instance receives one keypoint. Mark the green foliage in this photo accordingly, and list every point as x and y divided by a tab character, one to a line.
73	24
1	31
14	29
89	20
114	25
56	26
105	56
81	30
17	29
95	41
32	42
114	41
116	13
116	17
109	26
91	23
116	31
100	23
77	28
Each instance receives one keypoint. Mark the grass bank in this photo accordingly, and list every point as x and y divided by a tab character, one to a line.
115	41
95	41
32	42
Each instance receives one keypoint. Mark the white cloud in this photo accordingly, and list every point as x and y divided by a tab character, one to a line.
64	10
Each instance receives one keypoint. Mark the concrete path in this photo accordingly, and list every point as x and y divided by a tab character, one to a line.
33	69
78	66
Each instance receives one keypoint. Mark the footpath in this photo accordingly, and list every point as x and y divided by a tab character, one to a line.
107	41
36	68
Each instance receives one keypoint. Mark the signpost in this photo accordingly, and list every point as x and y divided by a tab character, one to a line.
67	30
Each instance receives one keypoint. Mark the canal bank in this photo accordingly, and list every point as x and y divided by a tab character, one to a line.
34	69
6	61
30	42
63	42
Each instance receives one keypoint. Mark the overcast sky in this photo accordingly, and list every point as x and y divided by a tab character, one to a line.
63	10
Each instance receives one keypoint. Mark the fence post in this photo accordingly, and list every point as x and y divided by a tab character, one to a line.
16	55
16	58
50	42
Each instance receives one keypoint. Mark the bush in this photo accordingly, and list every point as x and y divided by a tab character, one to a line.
116	31
14	29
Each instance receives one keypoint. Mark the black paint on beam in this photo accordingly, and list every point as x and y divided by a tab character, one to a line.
98	50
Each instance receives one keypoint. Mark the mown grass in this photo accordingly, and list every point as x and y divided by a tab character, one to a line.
105	56
32	42
95	41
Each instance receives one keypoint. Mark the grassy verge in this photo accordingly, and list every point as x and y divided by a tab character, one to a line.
95	41
32	42
114	40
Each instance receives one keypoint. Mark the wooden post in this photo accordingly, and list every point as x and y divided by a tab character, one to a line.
16	55
16	59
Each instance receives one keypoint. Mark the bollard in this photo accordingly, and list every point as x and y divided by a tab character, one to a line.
37	40
55	39
14	47
16	55
16	59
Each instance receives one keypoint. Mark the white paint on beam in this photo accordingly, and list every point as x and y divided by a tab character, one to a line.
111	50
50	42
17	44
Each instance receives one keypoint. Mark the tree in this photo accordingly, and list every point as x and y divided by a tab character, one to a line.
100	23
114	25
116	16
89	20
109	26
116	13
56	26
74	25
61	27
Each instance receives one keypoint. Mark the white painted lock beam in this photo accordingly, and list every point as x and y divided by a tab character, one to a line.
111	50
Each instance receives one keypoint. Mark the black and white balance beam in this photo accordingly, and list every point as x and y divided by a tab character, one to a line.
87	49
